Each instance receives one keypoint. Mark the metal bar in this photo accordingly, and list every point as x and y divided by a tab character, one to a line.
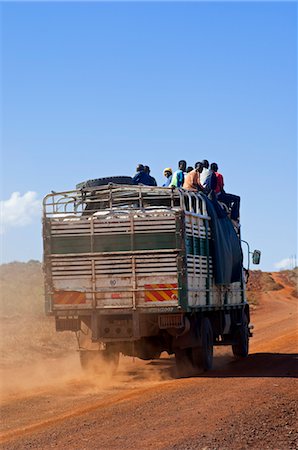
136	289
248	250
126	193
134	282
208	265
110	197
93	273
142	306
187	213
61	309
242	283
124	290
104	254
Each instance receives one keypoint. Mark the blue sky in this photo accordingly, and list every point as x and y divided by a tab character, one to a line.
92	89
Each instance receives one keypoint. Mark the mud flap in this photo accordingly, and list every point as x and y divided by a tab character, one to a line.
68	324
189	339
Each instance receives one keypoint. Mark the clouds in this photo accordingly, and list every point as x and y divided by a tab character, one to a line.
286	263
19	210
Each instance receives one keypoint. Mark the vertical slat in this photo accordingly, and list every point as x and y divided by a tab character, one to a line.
93	276
132	234
182	260
208	264
134	283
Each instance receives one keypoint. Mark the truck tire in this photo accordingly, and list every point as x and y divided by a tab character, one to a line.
202	356
104	181
100	362
207	344
183	360
241	338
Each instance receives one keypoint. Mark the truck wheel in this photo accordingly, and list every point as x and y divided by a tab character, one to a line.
183	360
86	359
111	358
101	362
104	181
207	344
203	356
241	338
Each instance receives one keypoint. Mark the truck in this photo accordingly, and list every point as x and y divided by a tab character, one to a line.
140	270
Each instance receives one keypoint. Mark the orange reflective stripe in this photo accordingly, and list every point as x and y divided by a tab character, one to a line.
149	297
69	298
165	294
160	292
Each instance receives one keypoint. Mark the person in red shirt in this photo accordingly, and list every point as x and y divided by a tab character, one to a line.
231	200
219	178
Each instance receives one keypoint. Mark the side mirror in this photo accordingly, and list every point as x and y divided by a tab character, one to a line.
256	257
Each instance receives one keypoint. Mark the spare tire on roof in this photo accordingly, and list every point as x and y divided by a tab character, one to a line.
103	181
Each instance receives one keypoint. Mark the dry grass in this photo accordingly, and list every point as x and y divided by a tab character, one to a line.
290	277
260	282
27	335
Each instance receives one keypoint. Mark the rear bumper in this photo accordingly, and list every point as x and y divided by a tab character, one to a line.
76	312
127	326
130	325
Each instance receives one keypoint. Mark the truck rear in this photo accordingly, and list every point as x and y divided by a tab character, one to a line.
131	270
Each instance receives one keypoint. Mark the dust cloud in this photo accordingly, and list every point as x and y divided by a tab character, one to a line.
65	373
30	378
34	357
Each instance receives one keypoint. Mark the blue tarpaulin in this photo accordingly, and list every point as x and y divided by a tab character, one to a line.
226	247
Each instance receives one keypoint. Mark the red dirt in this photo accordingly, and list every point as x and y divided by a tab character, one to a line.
248	404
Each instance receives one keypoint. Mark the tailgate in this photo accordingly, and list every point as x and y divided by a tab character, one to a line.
113	262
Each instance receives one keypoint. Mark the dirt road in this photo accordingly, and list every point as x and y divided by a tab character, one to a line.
238	405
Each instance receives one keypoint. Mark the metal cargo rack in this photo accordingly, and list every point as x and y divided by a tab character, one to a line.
121	197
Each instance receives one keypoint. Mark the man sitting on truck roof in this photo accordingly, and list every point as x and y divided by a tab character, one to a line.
208	178
141	177
179	175
219	178
232	201
206	172
147	171
192	179
168	173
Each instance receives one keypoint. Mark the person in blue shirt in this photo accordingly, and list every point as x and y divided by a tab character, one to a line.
141	177
168	173
179	175
147	171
